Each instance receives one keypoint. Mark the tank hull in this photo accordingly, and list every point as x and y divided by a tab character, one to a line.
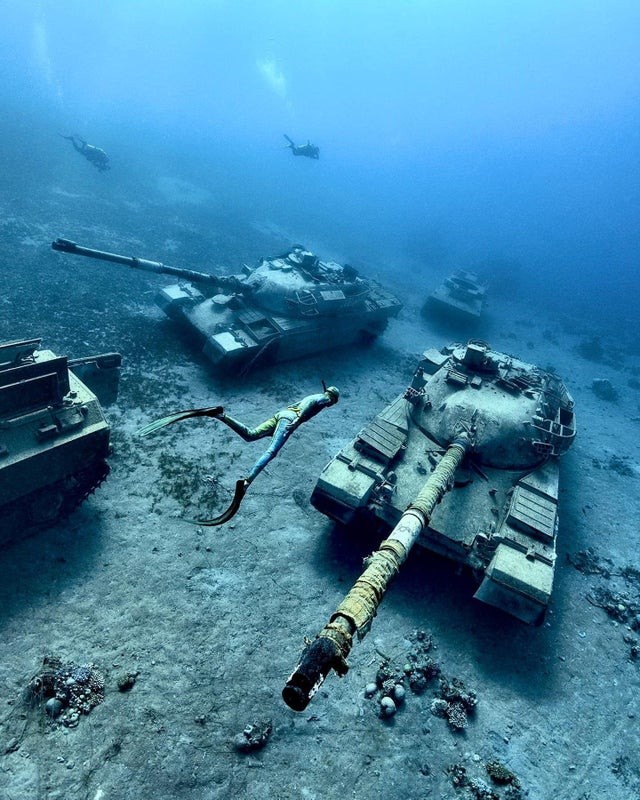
54	440
246	336
289	306
499	520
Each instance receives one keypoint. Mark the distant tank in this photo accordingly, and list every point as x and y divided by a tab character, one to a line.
464	461
54	438
461	295
286	307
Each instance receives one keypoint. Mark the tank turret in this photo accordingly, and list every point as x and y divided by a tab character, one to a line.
478	433
286	307
54	438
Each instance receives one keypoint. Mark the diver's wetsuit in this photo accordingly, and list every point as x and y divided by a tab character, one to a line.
280	426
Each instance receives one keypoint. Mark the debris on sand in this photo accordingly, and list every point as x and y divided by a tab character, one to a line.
126	681
66	690
617	605
618	464
588	562
452	700
253	737
505	785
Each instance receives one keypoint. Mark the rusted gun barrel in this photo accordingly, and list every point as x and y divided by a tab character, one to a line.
354	615
230	283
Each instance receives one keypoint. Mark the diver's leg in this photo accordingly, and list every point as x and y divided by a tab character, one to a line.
282	432
266	428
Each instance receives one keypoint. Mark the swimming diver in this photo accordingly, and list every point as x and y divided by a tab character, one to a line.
279	427
308	149
93	154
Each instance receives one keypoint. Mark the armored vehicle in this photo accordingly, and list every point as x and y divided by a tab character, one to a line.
464	461
54	438
286	307
461	295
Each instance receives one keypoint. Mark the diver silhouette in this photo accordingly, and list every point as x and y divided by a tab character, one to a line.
309	150
95	155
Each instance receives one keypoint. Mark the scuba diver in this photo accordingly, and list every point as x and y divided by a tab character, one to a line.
94	154
308	149
279	427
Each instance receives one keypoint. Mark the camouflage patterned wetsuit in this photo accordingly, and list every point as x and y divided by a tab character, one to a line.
281	425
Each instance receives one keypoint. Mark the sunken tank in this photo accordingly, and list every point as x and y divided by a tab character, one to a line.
54	438
286	307
460	296
501	516
464	461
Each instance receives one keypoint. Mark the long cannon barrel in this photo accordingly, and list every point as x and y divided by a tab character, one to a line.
354	615
231	283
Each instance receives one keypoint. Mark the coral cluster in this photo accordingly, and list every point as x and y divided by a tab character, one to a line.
618	605
480	790
453	701
67	690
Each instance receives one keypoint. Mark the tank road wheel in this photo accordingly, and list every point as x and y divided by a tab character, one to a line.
53	503
44	507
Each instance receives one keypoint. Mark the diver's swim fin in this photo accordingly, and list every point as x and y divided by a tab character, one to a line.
241	490
212	411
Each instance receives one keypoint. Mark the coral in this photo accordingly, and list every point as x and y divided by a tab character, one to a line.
459	703
457	716
439	707
478	789
75	688
421	669
253	737
126	681
454	702
499	773
458	775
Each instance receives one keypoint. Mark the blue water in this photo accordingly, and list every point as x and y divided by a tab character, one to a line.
451	134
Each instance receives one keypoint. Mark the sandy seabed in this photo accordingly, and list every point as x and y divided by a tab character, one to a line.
212	621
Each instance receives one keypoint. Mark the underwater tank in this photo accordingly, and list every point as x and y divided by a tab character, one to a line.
286	307
460	296
54	438
465	462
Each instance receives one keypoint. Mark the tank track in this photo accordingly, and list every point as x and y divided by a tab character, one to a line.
50	505
81	485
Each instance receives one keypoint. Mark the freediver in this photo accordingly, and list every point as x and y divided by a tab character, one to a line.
279	427
308	149
95	155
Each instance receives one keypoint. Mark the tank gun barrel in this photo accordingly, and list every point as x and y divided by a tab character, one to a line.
231	283
355	614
